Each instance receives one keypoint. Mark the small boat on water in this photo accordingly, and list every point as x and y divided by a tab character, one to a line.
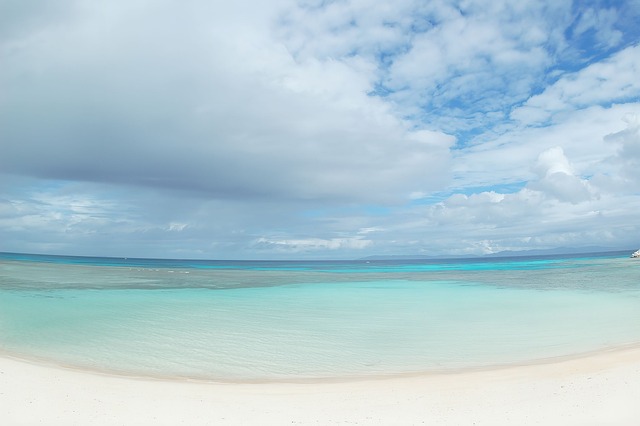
636	254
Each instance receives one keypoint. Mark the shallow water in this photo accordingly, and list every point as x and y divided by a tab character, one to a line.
288	320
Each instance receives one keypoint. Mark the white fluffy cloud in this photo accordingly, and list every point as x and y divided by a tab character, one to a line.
612	80
558	206
627	157
557	179
310	244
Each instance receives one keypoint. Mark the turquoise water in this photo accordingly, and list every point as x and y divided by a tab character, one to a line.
288	320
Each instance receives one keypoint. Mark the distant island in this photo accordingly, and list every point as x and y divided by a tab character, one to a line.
507	253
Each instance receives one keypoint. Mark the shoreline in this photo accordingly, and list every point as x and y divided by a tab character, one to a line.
599	388
45	362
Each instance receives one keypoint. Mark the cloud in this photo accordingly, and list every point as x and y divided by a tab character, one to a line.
627	157
556	178
602	23
452	66
317	129
135	95
602	83
558	207
310	244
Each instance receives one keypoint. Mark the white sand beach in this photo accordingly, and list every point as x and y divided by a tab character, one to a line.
600	389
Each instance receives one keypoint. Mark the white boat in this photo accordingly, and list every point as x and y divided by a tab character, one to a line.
636	254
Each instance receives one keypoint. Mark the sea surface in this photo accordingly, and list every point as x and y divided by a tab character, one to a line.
273	320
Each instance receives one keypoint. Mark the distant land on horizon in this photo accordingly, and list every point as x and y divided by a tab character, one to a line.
504	253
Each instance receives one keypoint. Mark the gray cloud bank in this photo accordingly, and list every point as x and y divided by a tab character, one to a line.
130	94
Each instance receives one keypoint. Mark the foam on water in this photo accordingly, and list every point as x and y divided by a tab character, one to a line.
285	320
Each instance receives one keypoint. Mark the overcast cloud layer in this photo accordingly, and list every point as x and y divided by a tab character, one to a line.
318	129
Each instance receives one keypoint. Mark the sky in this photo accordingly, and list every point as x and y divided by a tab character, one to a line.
315	129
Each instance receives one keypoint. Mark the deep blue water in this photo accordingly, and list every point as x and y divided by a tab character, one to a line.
356	265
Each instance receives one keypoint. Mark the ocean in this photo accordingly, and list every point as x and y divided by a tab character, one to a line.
313	320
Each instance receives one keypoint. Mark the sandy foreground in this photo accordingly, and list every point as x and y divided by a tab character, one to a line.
599	389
